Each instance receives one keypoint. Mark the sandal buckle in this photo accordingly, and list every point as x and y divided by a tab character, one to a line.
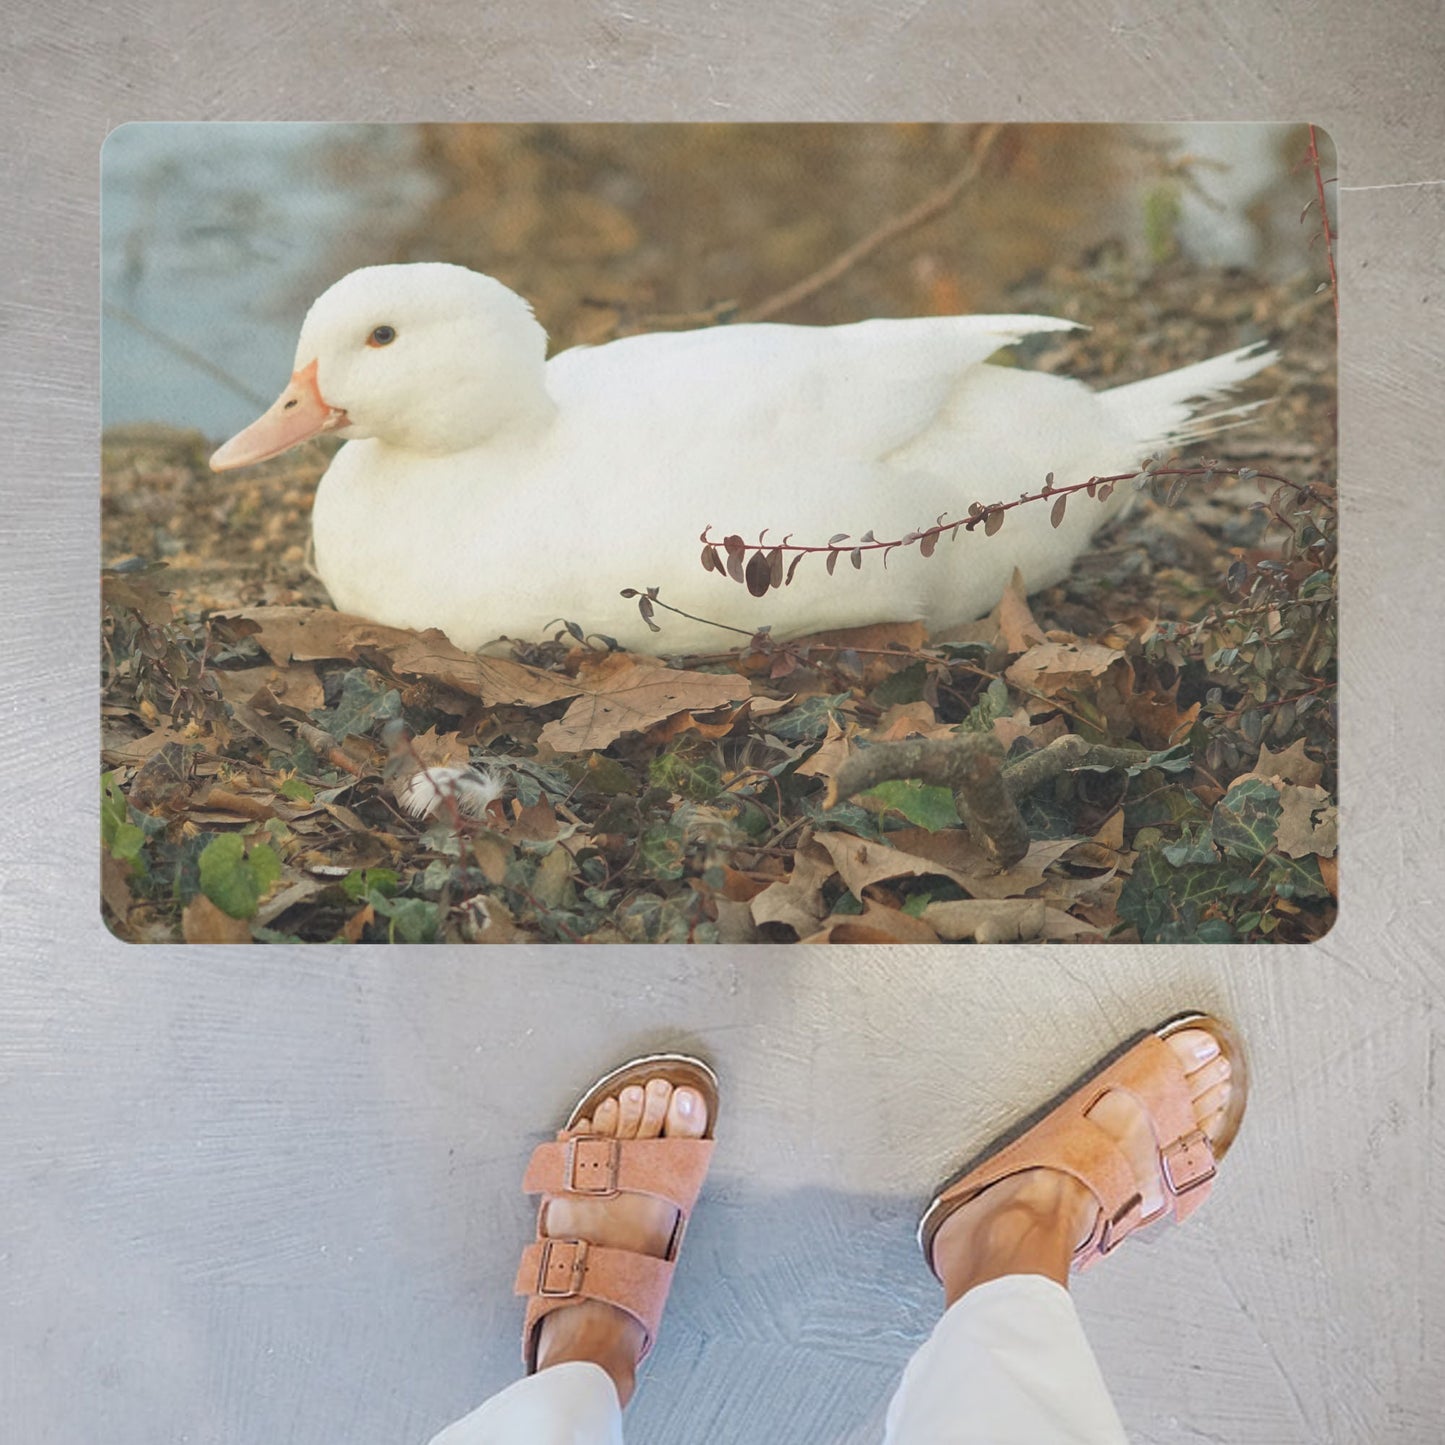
1120	1224
592	1165
556	1260
1187	1163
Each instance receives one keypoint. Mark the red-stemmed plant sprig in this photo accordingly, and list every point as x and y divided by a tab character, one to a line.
764	569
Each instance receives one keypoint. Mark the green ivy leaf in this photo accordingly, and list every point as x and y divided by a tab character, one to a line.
1246	820
233	880
926	806
365	700
992	705
363	881
660	851
412	920
296	790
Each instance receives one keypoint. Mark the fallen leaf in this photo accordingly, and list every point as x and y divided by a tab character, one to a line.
1010	625
203	922
1050	667
876	924
629	696
798	900
308	634
835	750
1291	765
989	920
861	863
1299	834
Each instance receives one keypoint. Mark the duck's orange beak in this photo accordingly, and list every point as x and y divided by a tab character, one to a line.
297	415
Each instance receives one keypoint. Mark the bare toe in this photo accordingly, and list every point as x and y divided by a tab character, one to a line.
656	1098
604	1121
629	1111
1194	1047
686	1115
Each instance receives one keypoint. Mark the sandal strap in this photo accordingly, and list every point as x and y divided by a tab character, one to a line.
597	1167
1068	1140
556	1273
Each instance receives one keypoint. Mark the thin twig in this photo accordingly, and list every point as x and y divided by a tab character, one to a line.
1325	221
925	210
187	354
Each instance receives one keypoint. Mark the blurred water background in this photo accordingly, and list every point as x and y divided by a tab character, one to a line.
216	237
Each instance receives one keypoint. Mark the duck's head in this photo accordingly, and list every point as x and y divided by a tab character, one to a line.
429	357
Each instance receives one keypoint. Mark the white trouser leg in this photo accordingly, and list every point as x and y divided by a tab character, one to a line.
1007	1364
571	1404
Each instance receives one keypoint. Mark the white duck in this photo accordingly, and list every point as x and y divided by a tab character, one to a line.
488	491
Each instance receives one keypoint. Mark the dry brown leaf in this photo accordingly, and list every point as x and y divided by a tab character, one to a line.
1158	717
956	856
1010	626
1050	667
798	900
629	696
295	686
307	634
1299	834
876	924
203	922
115	885
1292	765
439	750
909	720
835	750
988	920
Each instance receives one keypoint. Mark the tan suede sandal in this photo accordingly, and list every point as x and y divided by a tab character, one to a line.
1061	1137
557	1273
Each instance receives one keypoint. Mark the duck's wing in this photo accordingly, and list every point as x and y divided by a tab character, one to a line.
859	391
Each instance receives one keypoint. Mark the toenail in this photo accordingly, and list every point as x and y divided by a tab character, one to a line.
657	1086
686	1103
1206	1048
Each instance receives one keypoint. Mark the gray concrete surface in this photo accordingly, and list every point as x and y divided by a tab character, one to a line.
261	1196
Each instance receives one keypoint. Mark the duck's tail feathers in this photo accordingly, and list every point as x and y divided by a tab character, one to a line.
1165	410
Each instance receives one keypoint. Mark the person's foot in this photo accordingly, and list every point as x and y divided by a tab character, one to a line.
1031	1223
591	1330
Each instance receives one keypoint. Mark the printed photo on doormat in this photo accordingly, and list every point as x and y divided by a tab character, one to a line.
718	534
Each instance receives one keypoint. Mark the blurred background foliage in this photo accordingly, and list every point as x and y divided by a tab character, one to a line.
216	238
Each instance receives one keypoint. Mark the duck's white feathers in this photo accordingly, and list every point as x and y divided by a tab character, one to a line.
882	426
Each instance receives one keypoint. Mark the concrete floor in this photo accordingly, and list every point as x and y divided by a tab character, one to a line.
269	1197
278	1200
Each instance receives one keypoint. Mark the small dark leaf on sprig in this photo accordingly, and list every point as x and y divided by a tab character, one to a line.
856	557
775	567
832	562
836	538
711	562
644	606
630	592
1048	483
994	522
1106	491
793	567
758	574
868	536
1176	491
1056	513
929	542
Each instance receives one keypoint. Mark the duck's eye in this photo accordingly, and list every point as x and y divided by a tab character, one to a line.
382	336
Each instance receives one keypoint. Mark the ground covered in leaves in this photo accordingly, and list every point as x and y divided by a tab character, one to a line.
265	759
